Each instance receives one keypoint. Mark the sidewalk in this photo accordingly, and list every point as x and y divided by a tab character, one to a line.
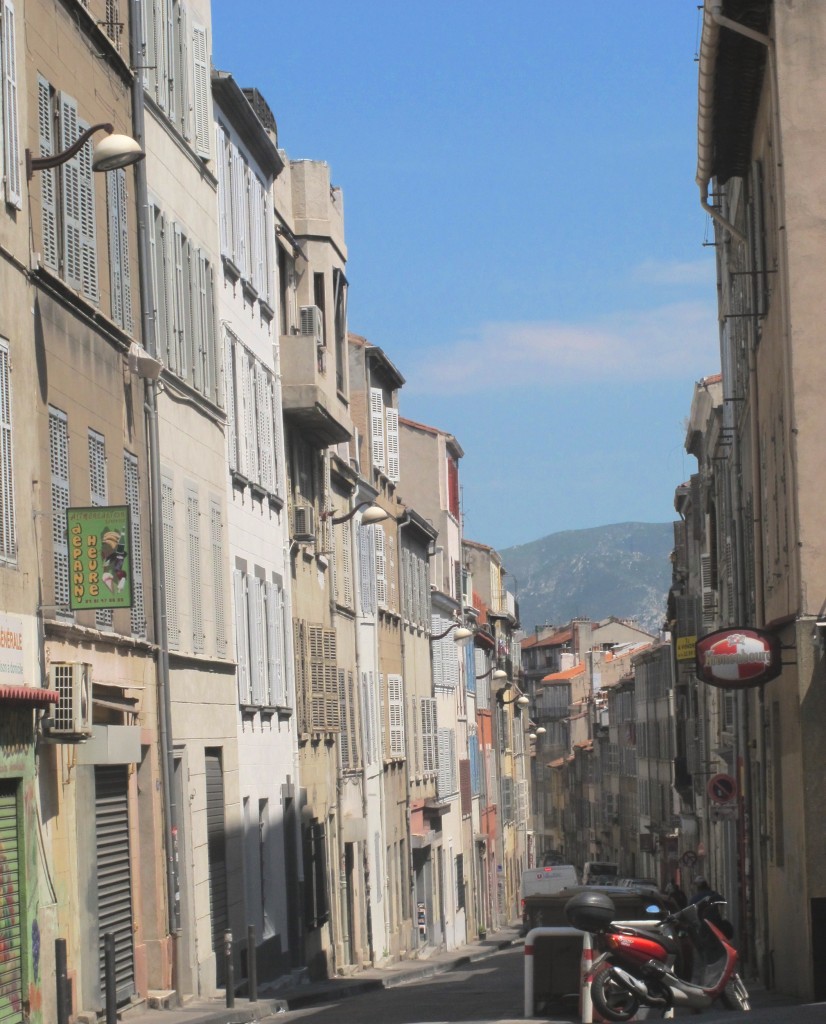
278	999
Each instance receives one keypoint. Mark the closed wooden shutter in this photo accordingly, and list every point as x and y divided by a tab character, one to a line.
119	281
464	785
377	427
200	62
258	674
133	500
229	400
11	132
395	700
393	463
216	527
114	875
241	635
8	525
275	644
216	854
193	522
11	938
48	180
88	220
170	581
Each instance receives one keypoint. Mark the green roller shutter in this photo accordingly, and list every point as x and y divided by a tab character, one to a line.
11	962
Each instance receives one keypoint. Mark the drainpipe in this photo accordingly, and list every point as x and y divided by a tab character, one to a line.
147	316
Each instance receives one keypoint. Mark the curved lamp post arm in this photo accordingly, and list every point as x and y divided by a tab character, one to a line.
462	632
46	163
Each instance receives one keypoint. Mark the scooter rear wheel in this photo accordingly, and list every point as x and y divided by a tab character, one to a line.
735	996
611	999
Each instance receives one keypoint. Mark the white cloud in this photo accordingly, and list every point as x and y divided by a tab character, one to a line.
671	341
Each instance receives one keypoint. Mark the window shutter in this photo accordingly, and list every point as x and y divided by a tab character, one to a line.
263	408
367	569
181	74
443	782
393	467
59	461
332	700
99	496
115	268
381	566
8	525
182	302
395	700
193	522
316	645
377	426
48	197
88	229
241	635
346	565
345	747
229	401
11	128
200	67
198	313
70	196
216	522
256	629
170	582
133	500
464	785
224	216
275	644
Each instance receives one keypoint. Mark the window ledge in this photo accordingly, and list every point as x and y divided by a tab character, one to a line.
266	309
230	269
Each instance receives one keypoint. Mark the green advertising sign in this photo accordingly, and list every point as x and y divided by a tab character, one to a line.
100	567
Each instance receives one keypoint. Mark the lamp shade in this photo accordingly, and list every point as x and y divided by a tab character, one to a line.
116	151
462	633
374	514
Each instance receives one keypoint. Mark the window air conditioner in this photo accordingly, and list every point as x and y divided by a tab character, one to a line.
304	522
71	717
312	322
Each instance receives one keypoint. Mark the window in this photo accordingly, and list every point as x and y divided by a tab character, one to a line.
183	288
381	565
216	532
460	881
132	493
99	496
315	875
317	678
367	569
428	707
59	464
340	315
349	739
193	525
252	429
395	707
67	195
176	75
8	525
446	783
453	487
392	416
173	631
377	427
11	132
119	269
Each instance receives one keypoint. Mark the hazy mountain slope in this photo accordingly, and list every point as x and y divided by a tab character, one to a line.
621	570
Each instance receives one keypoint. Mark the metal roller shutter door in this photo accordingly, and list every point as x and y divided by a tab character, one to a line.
11	962
216	845
114	875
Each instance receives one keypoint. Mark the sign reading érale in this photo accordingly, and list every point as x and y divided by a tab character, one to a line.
100	564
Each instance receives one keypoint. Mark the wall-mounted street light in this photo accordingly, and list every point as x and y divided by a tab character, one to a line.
110	153
462	633
519	699
373	514
540	730
499	674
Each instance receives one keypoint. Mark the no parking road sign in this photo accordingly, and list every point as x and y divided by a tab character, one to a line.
722	789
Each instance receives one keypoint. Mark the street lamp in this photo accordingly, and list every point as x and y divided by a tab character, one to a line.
462	633
374	514
111	153
498	674
519	699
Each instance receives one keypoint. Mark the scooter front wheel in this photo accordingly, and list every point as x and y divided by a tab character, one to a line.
611	999
735	996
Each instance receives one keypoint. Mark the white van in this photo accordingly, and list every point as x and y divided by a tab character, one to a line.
599	872
545	881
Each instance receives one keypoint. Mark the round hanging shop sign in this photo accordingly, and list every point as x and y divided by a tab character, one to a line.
735	659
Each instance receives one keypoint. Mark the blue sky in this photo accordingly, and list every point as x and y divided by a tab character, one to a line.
524	232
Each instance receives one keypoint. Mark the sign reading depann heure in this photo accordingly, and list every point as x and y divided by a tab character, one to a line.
735	659
100	565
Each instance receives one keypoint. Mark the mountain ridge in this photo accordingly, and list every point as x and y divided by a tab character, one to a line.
623	569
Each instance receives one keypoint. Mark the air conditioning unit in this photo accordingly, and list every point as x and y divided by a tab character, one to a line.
304	522
312	323
71	717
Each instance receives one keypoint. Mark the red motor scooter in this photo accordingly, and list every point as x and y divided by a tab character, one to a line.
638	965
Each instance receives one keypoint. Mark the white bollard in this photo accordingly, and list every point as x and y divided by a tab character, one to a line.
586	1007
530	938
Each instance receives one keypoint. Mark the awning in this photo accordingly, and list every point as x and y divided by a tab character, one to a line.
28	695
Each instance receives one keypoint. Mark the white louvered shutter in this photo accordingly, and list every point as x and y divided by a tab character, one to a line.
181	75
70	196
393	463
395	701
181	293
200	68
239	594
99	497
263	409
88	221
224	215
8	524
119	270
193	523
377	427
131	483
381	566
275	644
229	401
170	580
216	522
255	602
11	127
48	182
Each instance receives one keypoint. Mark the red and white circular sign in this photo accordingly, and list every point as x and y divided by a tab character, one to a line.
738	658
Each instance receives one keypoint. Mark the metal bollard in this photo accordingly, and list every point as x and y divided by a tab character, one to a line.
109	974
230	972
252	965
61	984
